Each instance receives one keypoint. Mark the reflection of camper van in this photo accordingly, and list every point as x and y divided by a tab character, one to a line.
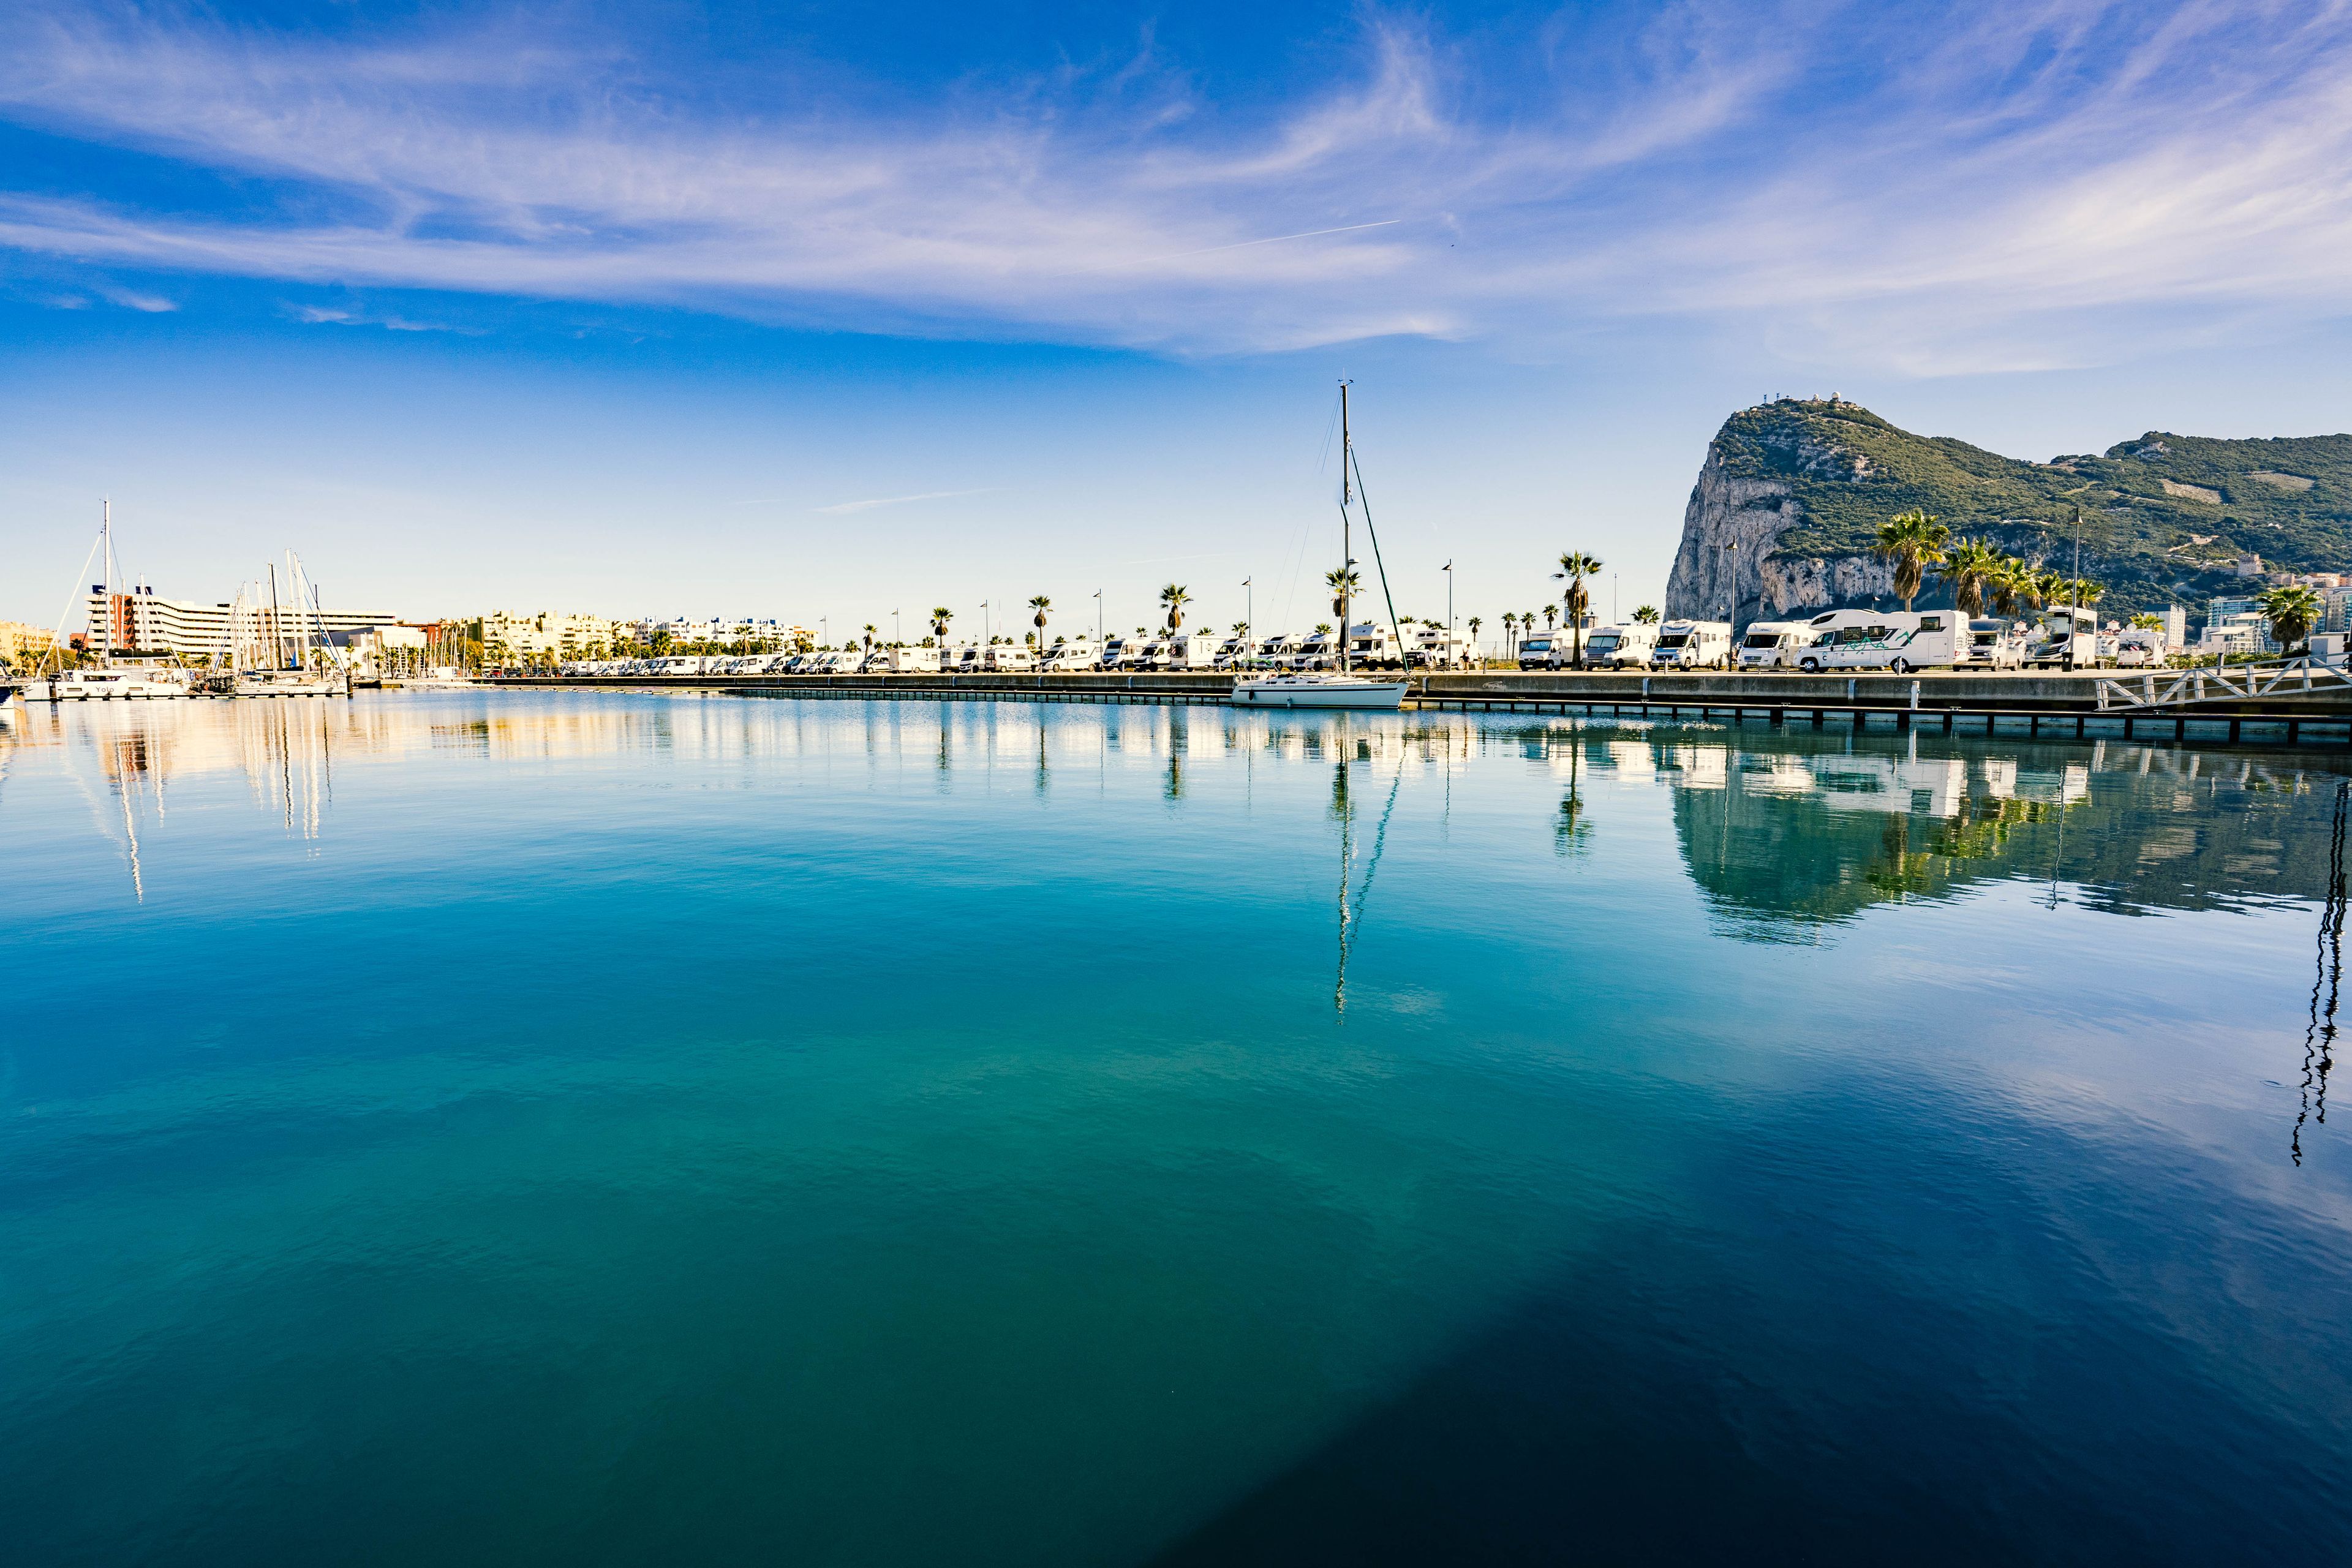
1627	647
1772	645
1693	645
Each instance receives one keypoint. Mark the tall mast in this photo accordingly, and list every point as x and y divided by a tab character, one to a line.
277	648
1346	537
106	533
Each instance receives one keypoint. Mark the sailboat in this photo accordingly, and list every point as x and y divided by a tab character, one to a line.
266	652
1313	690
109	680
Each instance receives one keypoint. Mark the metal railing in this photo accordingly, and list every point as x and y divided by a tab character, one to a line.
2252	682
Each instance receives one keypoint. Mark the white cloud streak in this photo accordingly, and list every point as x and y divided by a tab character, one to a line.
839	507
2027	182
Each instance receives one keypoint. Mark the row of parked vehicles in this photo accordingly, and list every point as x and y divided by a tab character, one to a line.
1370	646
1895	640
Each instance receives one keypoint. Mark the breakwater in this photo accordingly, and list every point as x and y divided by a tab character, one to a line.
2036	703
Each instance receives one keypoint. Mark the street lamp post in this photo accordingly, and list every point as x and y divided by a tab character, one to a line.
1099	620
1731	616
1249	617
895	636
1448	569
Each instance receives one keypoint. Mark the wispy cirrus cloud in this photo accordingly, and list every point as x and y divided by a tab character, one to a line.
2024	182
840	508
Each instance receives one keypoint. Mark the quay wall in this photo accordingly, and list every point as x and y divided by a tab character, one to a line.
1937	692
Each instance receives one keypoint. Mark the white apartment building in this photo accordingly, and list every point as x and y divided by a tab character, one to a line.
515	633
142	621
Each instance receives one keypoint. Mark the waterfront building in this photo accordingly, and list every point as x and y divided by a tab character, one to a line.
510	633
21	644
141	621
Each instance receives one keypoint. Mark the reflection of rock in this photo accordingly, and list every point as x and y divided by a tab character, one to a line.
1811	830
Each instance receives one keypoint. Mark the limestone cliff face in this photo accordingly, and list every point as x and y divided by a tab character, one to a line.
1801	486
1729	564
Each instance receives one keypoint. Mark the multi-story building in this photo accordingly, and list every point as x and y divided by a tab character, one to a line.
142	622
519	633
21	644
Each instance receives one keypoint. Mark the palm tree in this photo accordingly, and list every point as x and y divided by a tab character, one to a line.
1343	584
1645	615
1576	566
2147	621
1510	635
1041	603
2049	586
1914	542
2006	585
869	641
1175	598
1475	623
1551	617
940	617
2291	611
1970	567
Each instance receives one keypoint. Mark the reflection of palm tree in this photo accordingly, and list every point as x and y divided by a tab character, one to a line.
1571	832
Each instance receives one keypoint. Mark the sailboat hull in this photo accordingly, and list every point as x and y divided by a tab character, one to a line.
1320	691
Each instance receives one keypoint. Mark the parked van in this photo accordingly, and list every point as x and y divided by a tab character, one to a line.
1925	639
1071	656
1317	650
1546	650
910	660
1435	648
1991	644
845	661
1121	653
1011	658
1627	647
1773	645
1372	646
1693	645
2140	647
1190	650
2068	638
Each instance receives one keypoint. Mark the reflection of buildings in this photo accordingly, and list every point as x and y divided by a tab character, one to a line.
1805	830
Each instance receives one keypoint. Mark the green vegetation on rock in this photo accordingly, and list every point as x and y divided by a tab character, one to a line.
2164	517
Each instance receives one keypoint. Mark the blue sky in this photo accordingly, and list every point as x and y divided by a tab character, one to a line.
819	310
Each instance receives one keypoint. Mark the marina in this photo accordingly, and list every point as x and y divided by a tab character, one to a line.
1503	1049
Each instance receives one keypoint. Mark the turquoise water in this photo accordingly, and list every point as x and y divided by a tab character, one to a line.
500	1127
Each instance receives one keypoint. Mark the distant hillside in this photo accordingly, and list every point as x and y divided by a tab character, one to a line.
1801	486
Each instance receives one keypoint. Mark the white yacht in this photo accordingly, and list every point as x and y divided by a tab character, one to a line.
1308	689
100	685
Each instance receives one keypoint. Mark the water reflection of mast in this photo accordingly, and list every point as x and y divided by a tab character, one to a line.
2319	1035
1351	907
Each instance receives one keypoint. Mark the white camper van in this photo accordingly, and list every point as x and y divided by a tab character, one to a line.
1190	650
1121	653
1010	659
1435	648
1627	647
1881	640
1071	656
1992	643
910	660
1693	645
1773	645
1373	645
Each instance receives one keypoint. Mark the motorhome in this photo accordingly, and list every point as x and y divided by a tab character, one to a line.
1011	658
2137	648
1693	645
1626	647
1845	639
1280	651
1435	648
910	660
1190	650
1772	645
1319	650
1072	656
2068	638
1374	646
1992	643
1235	650
1546	650
1121	653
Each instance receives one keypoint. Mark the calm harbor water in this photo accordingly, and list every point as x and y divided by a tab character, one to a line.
600	1128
